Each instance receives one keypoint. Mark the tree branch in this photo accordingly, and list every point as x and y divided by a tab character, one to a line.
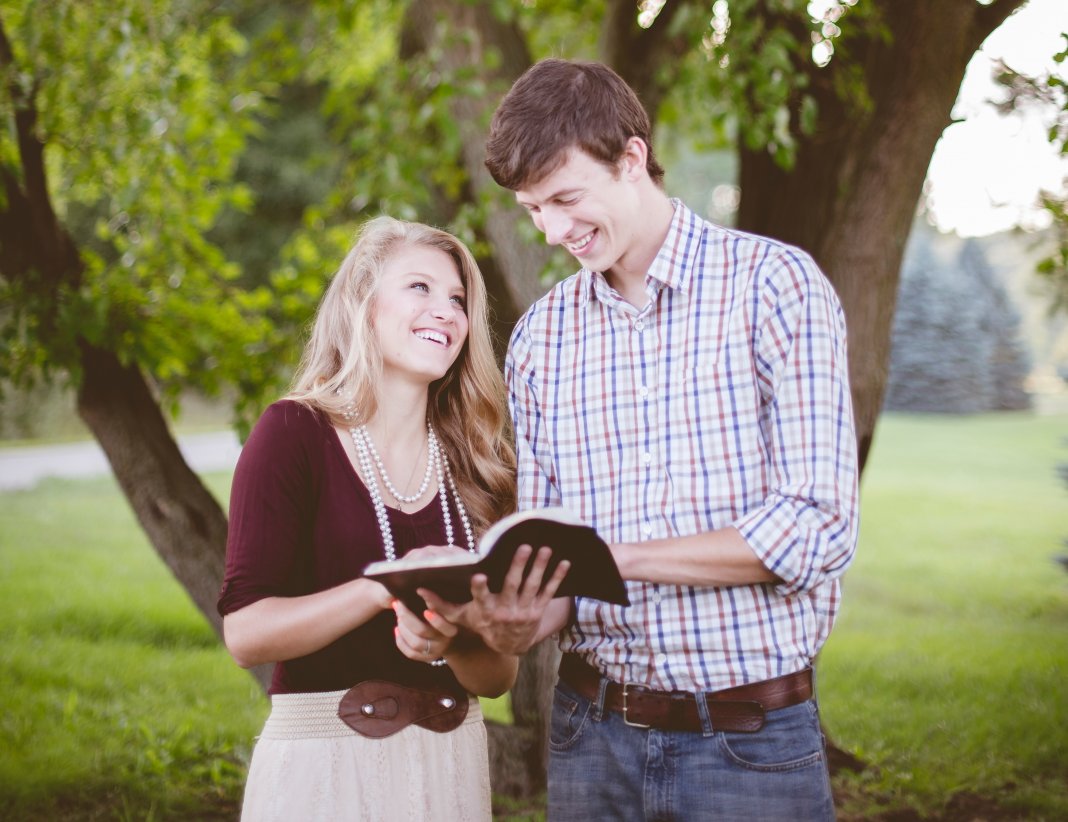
647	59
988	18
54	254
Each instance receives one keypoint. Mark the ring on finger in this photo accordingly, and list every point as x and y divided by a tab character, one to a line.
427	651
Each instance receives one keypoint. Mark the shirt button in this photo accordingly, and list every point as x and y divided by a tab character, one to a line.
643	392
656	598
639	325
647	529
647	458
661	659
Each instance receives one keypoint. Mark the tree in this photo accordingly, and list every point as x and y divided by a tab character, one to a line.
108	196
107	276
1051	93
831	158
934	365
956	344
1010	361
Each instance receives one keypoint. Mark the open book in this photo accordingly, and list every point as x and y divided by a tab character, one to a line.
593	571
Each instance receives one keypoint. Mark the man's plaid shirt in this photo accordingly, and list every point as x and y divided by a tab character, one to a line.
724	401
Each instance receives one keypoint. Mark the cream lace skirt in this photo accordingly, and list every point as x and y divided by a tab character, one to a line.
309	765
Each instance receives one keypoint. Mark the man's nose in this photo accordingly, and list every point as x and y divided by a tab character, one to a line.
556	225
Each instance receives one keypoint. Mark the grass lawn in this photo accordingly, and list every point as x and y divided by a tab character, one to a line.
946	671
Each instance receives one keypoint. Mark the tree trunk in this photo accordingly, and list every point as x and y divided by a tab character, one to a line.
496	53
852	196
179	515
181	518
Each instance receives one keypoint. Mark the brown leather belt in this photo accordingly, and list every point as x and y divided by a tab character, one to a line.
741	708
378	708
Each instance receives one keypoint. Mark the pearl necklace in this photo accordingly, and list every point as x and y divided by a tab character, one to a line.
435	457
397	495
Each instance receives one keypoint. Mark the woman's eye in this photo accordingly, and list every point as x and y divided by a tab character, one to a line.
421	286
460	302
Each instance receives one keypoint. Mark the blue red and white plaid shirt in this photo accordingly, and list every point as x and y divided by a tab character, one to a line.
724	401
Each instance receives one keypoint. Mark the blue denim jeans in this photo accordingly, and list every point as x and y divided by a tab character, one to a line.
602	768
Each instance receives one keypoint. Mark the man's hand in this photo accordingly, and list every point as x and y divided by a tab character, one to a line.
518	617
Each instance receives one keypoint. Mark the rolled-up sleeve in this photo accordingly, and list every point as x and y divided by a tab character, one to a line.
806	530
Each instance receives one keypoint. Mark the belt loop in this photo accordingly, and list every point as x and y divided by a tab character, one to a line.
602	691
702	713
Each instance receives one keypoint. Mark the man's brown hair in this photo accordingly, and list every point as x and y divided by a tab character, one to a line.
561	104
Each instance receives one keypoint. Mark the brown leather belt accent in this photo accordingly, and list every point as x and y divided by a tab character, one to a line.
740	709
378	708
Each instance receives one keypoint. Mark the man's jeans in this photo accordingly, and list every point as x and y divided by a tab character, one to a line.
601	768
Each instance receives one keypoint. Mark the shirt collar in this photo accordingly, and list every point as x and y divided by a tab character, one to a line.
669	267
671	264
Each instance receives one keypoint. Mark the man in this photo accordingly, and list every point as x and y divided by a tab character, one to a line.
686	394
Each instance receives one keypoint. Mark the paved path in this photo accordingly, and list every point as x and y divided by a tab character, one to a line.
25	466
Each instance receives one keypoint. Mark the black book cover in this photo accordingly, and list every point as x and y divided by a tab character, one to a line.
593	571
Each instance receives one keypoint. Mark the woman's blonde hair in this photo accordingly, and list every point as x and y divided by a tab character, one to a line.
342	364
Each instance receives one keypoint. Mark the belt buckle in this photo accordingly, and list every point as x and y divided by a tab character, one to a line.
626	718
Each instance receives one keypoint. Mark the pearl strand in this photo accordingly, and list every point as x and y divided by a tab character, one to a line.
397	495
381	515
460	510
440	462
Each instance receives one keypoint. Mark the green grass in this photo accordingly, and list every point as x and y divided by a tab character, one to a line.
948	665
116	699
946	671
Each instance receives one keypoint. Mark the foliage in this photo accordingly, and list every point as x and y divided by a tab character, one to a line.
217	173
138	171
1050	91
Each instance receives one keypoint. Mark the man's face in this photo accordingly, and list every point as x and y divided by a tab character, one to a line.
590	209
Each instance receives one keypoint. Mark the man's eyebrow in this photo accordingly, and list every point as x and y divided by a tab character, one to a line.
562	193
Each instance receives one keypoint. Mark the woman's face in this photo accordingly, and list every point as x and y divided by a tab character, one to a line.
420	314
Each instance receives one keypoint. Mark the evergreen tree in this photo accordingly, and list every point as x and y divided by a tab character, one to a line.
939	352
956	345
1010	361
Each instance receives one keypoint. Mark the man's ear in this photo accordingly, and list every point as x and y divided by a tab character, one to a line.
635	154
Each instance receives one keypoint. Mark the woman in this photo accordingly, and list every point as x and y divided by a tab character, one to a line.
394	437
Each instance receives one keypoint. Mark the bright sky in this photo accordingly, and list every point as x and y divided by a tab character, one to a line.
986	171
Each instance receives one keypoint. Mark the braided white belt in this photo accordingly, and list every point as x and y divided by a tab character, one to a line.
314	716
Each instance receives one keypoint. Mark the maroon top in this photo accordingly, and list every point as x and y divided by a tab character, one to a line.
302	521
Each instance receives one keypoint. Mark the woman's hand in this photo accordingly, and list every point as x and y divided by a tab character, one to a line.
422	641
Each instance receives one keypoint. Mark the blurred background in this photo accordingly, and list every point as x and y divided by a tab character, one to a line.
180	180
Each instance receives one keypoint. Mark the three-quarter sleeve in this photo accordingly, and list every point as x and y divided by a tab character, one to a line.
271	504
